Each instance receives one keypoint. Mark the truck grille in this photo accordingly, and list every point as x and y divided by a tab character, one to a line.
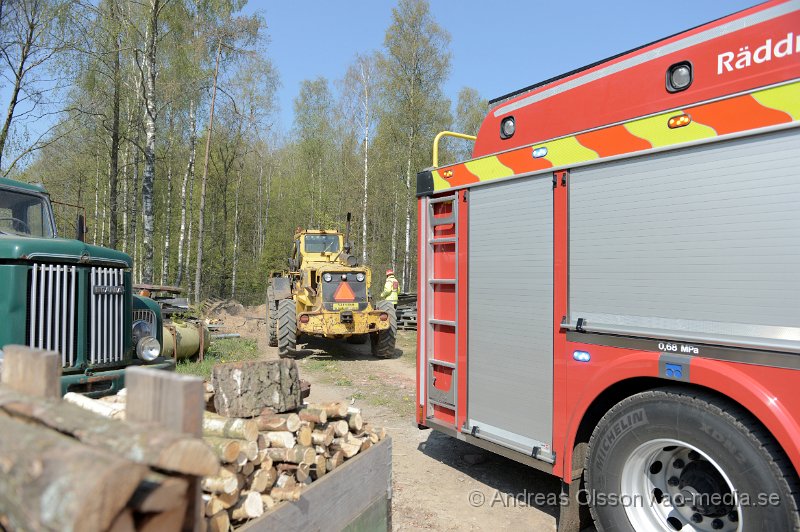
53	310
106	307
147	316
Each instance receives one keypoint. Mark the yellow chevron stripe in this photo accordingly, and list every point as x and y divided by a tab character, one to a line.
654	129
785	98
567	151
439	183
488	168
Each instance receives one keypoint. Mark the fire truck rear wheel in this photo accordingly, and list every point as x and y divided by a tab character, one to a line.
383	342
272	323
287	327
673	459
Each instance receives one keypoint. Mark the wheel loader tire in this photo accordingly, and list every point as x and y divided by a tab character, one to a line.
358	339
383	342
287	327
272	323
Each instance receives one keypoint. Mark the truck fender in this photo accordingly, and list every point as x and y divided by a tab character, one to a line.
281	288
732	380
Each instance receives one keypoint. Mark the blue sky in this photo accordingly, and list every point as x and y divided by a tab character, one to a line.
497	47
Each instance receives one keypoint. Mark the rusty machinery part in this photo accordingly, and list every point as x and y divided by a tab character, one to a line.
383	342
185	339
287	327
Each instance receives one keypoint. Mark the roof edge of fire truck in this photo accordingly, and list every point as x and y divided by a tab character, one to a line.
607	289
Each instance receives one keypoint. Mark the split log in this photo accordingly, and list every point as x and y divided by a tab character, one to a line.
335	460
340	427
220	484
105	409
300	471
40	470
355	422
219	522
281	440
286	494
268	501
250	450
223	427
244	389
270	421
214	505
348	448
295	455
162	449
285	480
336	409
248	469
249	506
263	479
226	449
320	466
159	493
323	437
304	435
313	414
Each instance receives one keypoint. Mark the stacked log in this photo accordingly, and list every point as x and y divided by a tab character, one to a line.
273	457
293	450
65	468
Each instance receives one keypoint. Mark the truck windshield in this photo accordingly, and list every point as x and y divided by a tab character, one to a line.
321	243
25	214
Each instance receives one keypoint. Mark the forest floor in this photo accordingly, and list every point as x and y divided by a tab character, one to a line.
439	483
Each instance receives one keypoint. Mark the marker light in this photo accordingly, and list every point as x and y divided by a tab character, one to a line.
360	277
303	318
679	76
507	127
538	153
679	121
581	356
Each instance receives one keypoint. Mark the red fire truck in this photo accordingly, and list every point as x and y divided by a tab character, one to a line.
609	288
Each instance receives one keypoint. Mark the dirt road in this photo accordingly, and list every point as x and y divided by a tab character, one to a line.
440	483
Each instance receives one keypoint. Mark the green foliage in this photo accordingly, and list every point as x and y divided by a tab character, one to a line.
262	183
220	351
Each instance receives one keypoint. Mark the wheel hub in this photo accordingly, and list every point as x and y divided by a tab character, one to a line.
705	490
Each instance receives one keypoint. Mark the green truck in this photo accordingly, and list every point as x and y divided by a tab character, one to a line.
67	296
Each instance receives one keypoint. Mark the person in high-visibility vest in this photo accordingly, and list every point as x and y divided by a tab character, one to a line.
391	288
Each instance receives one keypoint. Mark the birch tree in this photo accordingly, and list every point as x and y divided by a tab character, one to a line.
415	65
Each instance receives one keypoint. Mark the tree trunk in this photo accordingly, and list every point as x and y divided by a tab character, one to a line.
394	231
96	197
236	233
365	81
187	178
19	73
199	266
168	225
114	152
407	254
148	180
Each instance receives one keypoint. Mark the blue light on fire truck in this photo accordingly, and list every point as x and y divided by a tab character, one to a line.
538	153
581	356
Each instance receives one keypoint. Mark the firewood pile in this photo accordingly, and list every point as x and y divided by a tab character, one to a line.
269	457
63	468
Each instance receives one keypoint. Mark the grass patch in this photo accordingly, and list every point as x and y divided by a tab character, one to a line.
407	343
220	351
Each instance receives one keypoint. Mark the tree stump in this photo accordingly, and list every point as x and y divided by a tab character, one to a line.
244	389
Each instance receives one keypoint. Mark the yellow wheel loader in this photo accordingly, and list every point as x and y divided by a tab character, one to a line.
326	293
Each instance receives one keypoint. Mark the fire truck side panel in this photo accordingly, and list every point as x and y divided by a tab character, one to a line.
700	244
510	362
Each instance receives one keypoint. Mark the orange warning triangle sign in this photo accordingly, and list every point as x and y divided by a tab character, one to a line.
344	293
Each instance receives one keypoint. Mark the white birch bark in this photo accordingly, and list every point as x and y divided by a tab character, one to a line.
188	177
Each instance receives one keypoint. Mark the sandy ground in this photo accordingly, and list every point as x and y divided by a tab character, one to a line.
440	483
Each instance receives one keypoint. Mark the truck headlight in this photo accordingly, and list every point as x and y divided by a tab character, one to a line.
360	277
148	349
141	329
327	277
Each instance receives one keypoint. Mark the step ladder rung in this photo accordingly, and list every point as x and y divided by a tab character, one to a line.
434	321
442	363
443	199
436	222
441	403
446	240
442	281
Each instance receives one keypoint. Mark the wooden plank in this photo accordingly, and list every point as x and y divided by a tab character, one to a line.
175	402
32	371
329	503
